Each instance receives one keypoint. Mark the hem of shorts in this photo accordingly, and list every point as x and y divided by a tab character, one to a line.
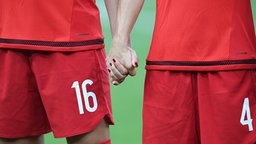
54	49
106	114
84	130
103	86
15	136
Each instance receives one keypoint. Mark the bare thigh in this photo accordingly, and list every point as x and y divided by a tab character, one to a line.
99	134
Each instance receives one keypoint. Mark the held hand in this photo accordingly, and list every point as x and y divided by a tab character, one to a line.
121	62
117	72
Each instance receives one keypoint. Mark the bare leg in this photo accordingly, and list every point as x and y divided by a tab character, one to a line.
26	140
99	134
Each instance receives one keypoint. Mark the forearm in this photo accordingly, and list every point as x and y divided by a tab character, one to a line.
122	59
128	11
112	6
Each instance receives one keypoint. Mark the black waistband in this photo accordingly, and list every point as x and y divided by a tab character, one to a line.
208	63
52	44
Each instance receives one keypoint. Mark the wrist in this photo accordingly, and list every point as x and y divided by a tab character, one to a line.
121	40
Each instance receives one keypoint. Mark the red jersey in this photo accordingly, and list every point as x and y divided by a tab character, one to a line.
55	25
203	35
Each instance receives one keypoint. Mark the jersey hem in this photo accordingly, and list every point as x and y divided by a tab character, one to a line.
51	45
202	66
59	49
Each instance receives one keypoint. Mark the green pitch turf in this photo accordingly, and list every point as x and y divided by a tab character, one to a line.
127	98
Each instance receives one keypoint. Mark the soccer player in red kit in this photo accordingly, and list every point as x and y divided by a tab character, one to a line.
53	74
200	84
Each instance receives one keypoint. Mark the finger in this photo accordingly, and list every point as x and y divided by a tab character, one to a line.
115	72
132	72
117	82
120	67
111	75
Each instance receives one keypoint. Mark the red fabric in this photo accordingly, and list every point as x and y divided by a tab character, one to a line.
198	107
49	21
35	82
203	31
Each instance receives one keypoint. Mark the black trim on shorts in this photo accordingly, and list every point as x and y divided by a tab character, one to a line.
211	63
52	44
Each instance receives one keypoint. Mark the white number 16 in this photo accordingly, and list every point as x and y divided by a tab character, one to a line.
86	95
246	115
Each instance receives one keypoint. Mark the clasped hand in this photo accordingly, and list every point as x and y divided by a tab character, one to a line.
121	61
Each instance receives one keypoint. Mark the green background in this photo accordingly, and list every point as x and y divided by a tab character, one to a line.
127	98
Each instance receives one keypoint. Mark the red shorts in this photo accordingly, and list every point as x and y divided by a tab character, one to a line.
200	107
67	93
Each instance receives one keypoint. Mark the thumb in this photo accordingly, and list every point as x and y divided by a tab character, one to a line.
134	59
132	72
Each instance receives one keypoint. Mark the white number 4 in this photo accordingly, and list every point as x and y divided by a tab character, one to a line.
246	115
86	95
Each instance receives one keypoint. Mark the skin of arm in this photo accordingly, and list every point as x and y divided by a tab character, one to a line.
122	59
112	6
